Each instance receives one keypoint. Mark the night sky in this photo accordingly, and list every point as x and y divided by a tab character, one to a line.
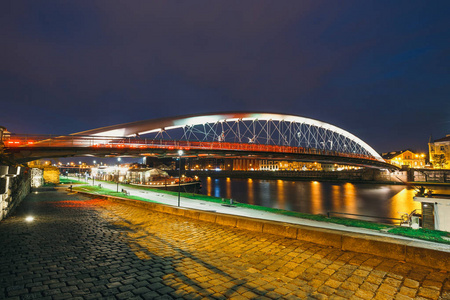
379	69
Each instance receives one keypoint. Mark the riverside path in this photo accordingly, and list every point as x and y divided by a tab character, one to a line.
84	248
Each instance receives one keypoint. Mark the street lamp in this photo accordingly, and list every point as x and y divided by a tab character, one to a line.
117	180
180	152
92	173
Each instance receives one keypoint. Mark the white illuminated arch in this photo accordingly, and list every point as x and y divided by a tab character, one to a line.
317	129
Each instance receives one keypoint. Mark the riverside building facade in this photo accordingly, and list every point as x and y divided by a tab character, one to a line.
440	152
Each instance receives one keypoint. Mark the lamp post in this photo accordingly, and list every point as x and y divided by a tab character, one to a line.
180	152
117	180
92	173
118	173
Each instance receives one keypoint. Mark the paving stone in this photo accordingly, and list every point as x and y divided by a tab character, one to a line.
62	296
150	295
356	279
432	284
374	279
367	286
411	283
406	291
39	288
363	294
428	293
124	295
383	296
387	289
344	293
35	295
15	292
351	286
325	289
141	290
402	297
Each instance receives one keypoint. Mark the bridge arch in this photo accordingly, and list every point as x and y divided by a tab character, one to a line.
247	128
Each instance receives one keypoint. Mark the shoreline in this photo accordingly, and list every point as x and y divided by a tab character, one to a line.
429	254
284	215
320	176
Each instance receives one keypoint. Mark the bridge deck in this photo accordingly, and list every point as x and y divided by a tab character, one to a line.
26	148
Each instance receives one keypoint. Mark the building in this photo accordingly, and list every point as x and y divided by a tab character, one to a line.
405	158
440	152
246	164
282	165
145	175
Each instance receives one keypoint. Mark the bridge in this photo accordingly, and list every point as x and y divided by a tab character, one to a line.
226	135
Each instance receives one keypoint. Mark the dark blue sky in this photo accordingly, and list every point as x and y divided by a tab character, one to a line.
379	69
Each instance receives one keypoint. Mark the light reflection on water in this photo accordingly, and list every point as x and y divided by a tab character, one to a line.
401	204
208	186
350	198
280	194
251	194
318	197
217	192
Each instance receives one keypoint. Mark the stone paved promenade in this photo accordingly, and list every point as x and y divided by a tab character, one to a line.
80	248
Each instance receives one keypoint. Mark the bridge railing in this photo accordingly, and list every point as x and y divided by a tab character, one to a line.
17	140
36	141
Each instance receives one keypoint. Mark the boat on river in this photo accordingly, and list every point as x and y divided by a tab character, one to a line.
159	179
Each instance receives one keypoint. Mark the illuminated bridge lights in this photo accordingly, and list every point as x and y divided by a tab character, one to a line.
234	133
187	146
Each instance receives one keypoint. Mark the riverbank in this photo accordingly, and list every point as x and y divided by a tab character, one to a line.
377	242
203	202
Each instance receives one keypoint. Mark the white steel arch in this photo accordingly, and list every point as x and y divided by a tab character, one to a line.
244	127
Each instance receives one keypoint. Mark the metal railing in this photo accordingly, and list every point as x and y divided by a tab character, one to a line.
330	213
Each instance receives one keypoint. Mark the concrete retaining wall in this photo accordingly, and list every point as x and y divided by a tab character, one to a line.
15	185
376	245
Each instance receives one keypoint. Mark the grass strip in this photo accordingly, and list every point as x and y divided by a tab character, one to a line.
107	192
69	181
423	234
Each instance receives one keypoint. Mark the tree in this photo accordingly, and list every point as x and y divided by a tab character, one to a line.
439	161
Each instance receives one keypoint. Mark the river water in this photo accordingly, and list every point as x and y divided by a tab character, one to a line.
385	201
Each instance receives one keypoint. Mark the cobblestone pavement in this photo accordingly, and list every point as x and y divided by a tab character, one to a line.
79	248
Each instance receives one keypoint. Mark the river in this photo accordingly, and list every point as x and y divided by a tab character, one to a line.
384	201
